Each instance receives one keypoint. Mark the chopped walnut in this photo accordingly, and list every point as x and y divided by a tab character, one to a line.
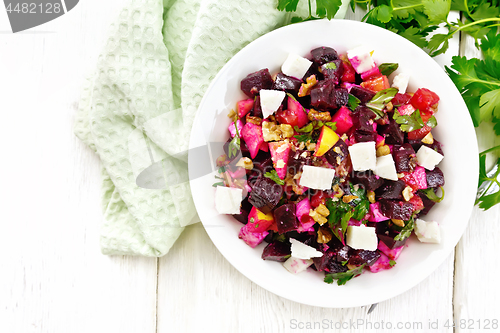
383	150
317	217
271	131
350	266
245	163
321	209
400	175
305	88
339	192
324	235
408	193
428	139
317	115
349	198
254	120
389	106
233	115
344	137
286	130
399	223
310	146
371	196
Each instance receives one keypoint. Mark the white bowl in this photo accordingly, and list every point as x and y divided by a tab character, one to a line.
455	131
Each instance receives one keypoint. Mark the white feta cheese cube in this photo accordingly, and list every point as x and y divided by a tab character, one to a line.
296	265
295	66
386	168
361	59
361	238
303	251
363	156
316	177
270	101
400	81
427	232
228	200
428	158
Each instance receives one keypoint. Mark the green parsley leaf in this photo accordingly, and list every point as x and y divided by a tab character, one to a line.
344	262
288	5
330	65
306	129
429	193
489	184
327	8
273	175
332	125
337	219
252	220
353	102
387	68
409	123
343	277
234	145
406	231
218	184
436	10
221	169
378	102
303	137
392	263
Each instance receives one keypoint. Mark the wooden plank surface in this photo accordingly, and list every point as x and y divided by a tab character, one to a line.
53	277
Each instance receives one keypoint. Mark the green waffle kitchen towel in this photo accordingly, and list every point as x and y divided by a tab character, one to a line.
137	109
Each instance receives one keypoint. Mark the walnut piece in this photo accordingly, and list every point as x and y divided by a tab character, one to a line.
317	115
317	217
428	139
349	198
371	196
270	131
254	120
233	115
408	193
383	150
305	88
286	130
324	235
245	163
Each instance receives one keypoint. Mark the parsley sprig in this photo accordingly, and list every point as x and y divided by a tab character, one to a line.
324	9
489	185
343	277
273	175
413	122
378	102
407	229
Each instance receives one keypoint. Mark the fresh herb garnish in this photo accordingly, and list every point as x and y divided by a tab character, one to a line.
330	65
338	209
387	68
273	175
343	277
303	138
324	8
392	262
489	185
234	145
413	121
378	102
429	192
353	102
406	231
218	184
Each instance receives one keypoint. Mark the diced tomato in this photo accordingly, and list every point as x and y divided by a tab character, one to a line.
423	99
400	99
377	84
318	198
349	72
420	133
287	117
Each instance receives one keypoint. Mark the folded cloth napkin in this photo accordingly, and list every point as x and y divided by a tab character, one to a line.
138	107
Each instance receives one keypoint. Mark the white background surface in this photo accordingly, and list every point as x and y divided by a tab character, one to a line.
53	277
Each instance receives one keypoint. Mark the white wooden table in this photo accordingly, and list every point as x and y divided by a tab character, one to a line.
53	277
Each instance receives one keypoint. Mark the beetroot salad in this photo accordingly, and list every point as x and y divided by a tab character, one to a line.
332	164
